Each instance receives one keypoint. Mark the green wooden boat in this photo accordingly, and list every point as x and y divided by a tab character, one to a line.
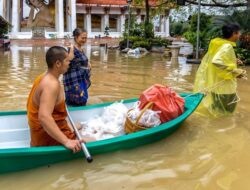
16	154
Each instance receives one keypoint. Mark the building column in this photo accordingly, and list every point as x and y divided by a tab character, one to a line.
162	24
105	20
167	30
59	18
122	23
166	20
122	20
15	17
138	16
71	15
154	24
138	19
87	20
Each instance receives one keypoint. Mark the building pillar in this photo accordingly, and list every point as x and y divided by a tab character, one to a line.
59	18
122	23
138	19
71	15
87	20
105	18
162	24
15	17
167	30
138	16
122	20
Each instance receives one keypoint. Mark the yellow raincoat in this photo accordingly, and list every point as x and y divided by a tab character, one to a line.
216	77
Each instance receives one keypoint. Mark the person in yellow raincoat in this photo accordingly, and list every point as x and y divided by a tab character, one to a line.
217	74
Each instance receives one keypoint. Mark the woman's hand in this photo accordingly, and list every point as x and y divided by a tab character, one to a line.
70	46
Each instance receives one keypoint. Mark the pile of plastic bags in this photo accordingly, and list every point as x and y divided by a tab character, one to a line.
109	124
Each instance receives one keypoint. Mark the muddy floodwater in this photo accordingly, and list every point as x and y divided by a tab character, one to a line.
204	154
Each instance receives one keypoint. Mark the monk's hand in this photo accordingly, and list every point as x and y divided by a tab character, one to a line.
74	145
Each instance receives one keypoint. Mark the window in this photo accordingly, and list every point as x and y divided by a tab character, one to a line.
96	23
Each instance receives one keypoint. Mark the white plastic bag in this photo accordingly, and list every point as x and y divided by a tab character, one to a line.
150	119
109	124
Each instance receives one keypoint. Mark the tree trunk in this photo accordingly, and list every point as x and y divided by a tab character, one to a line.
147	21
147	11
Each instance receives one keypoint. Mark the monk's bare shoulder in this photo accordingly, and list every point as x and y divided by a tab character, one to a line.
49	84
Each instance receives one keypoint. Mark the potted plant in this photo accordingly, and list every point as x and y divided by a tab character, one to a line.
106	31
4	29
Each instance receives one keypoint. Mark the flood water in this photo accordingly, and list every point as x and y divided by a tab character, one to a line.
204	154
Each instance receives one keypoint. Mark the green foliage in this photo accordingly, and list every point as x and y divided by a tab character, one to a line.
4	27
243	54
142	29
106	31
149	30
178	28
144	44
245	41
159	41
137	30
191	37
135	38
243	19
205	21
205	24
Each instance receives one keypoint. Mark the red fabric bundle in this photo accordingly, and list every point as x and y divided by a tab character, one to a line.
165	100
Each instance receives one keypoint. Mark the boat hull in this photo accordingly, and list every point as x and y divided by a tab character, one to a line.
16	159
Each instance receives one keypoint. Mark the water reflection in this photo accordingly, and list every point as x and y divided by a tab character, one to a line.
203	154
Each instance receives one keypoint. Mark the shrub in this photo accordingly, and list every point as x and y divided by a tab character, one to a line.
159	41
178	28
143	44
243	54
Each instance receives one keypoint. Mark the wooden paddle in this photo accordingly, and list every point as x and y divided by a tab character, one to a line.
84	148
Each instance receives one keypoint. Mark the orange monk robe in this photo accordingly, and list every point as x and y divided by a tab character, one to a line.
39	137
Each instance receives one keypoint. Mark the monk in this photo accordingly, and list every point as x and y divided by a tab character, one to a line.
46	105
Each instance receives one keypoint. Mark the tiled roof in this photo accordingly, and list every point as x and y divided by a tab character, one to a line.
109	2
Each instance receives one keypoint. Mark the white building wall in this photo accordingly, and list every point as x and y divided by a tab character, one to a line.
71	19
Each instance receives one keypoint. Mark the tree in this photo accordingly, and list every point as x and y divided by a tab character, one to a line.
148	4
220	3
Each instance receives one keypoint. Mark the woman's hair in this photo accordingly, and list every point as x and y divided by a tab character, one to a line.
77	32
229	29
